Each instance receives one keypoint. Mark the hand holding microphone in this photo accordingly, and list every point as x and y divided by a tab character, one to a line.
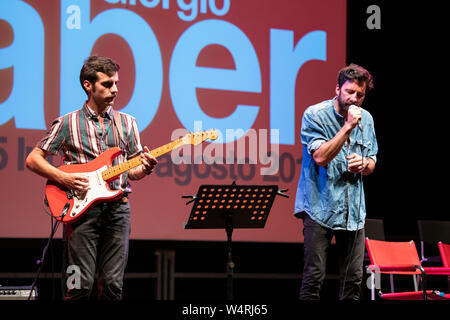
357	163
354	115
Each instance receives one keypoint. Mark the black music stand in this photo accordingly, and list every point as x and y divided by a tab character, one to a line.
229	207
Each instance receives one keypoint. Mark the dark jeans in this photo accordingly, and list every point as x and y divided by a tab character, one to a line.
98	246
316	246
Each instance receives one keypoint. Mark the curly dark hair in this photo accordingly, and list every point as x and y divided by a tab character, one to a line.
354	72
94	64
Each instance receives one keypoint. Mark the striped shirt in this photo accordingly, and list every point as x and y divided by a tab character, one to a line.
80	137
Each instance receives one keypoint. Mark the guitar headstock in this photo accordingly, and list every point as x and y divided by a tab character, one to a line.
198	137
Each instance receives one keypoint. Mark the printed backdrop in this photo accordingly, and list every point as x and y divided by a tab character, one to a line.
246	68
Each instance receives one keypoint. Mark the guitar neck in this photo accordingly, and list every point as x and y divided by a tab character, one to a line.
115	171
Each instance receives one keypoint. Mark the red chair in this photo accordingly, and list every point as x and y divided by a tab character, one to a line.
401	258
444	249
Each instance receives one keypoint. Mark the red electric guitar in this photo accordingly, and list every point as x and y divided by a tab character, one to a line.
67	206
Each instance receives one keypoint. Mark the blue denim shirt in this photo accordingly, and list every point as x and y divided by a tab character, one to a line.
331	195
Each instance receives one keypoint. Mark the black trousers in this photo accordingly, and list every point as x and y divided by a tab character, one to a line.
351	259
97	246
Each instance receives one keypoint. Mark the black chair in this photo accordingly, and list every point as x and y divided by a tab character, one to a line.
374	229
430	233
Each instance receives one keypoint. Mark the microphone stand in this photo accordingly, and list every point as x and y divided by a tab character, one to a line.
44	252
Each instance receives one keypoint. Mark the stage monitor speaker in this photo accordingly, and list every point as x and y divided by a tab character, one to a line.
17	293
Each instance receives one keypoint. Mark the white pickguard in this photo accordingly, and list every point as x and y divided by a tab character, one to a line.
97	190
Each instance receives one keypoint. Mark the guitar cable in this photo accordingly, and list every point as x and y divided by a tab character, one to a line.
63	212
44	253
54	228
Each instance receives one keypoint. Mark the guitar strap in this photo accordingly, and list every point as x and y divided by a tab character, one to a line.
118	125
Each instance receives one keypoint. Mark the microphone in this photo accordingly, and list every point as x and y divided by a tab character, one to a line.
359	121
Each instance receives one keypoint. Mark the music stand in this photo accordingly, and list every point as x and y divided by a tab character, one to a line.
229	207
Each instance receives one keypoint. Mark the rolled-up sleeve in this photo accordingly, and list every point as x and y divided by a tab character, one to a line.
312	133
54	138
372	146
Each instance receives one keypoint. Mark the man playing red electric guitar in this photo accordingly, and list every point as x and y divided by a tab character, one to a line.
98	240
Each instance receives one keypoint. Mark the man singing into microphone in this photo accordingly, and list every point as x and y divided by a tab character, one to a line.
339	146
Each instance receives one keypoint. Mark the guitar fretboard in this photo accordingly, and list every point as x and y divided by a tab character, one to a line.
118	169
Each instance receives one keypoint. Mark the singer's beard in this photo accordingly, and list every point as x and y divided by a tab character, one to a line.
342	105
